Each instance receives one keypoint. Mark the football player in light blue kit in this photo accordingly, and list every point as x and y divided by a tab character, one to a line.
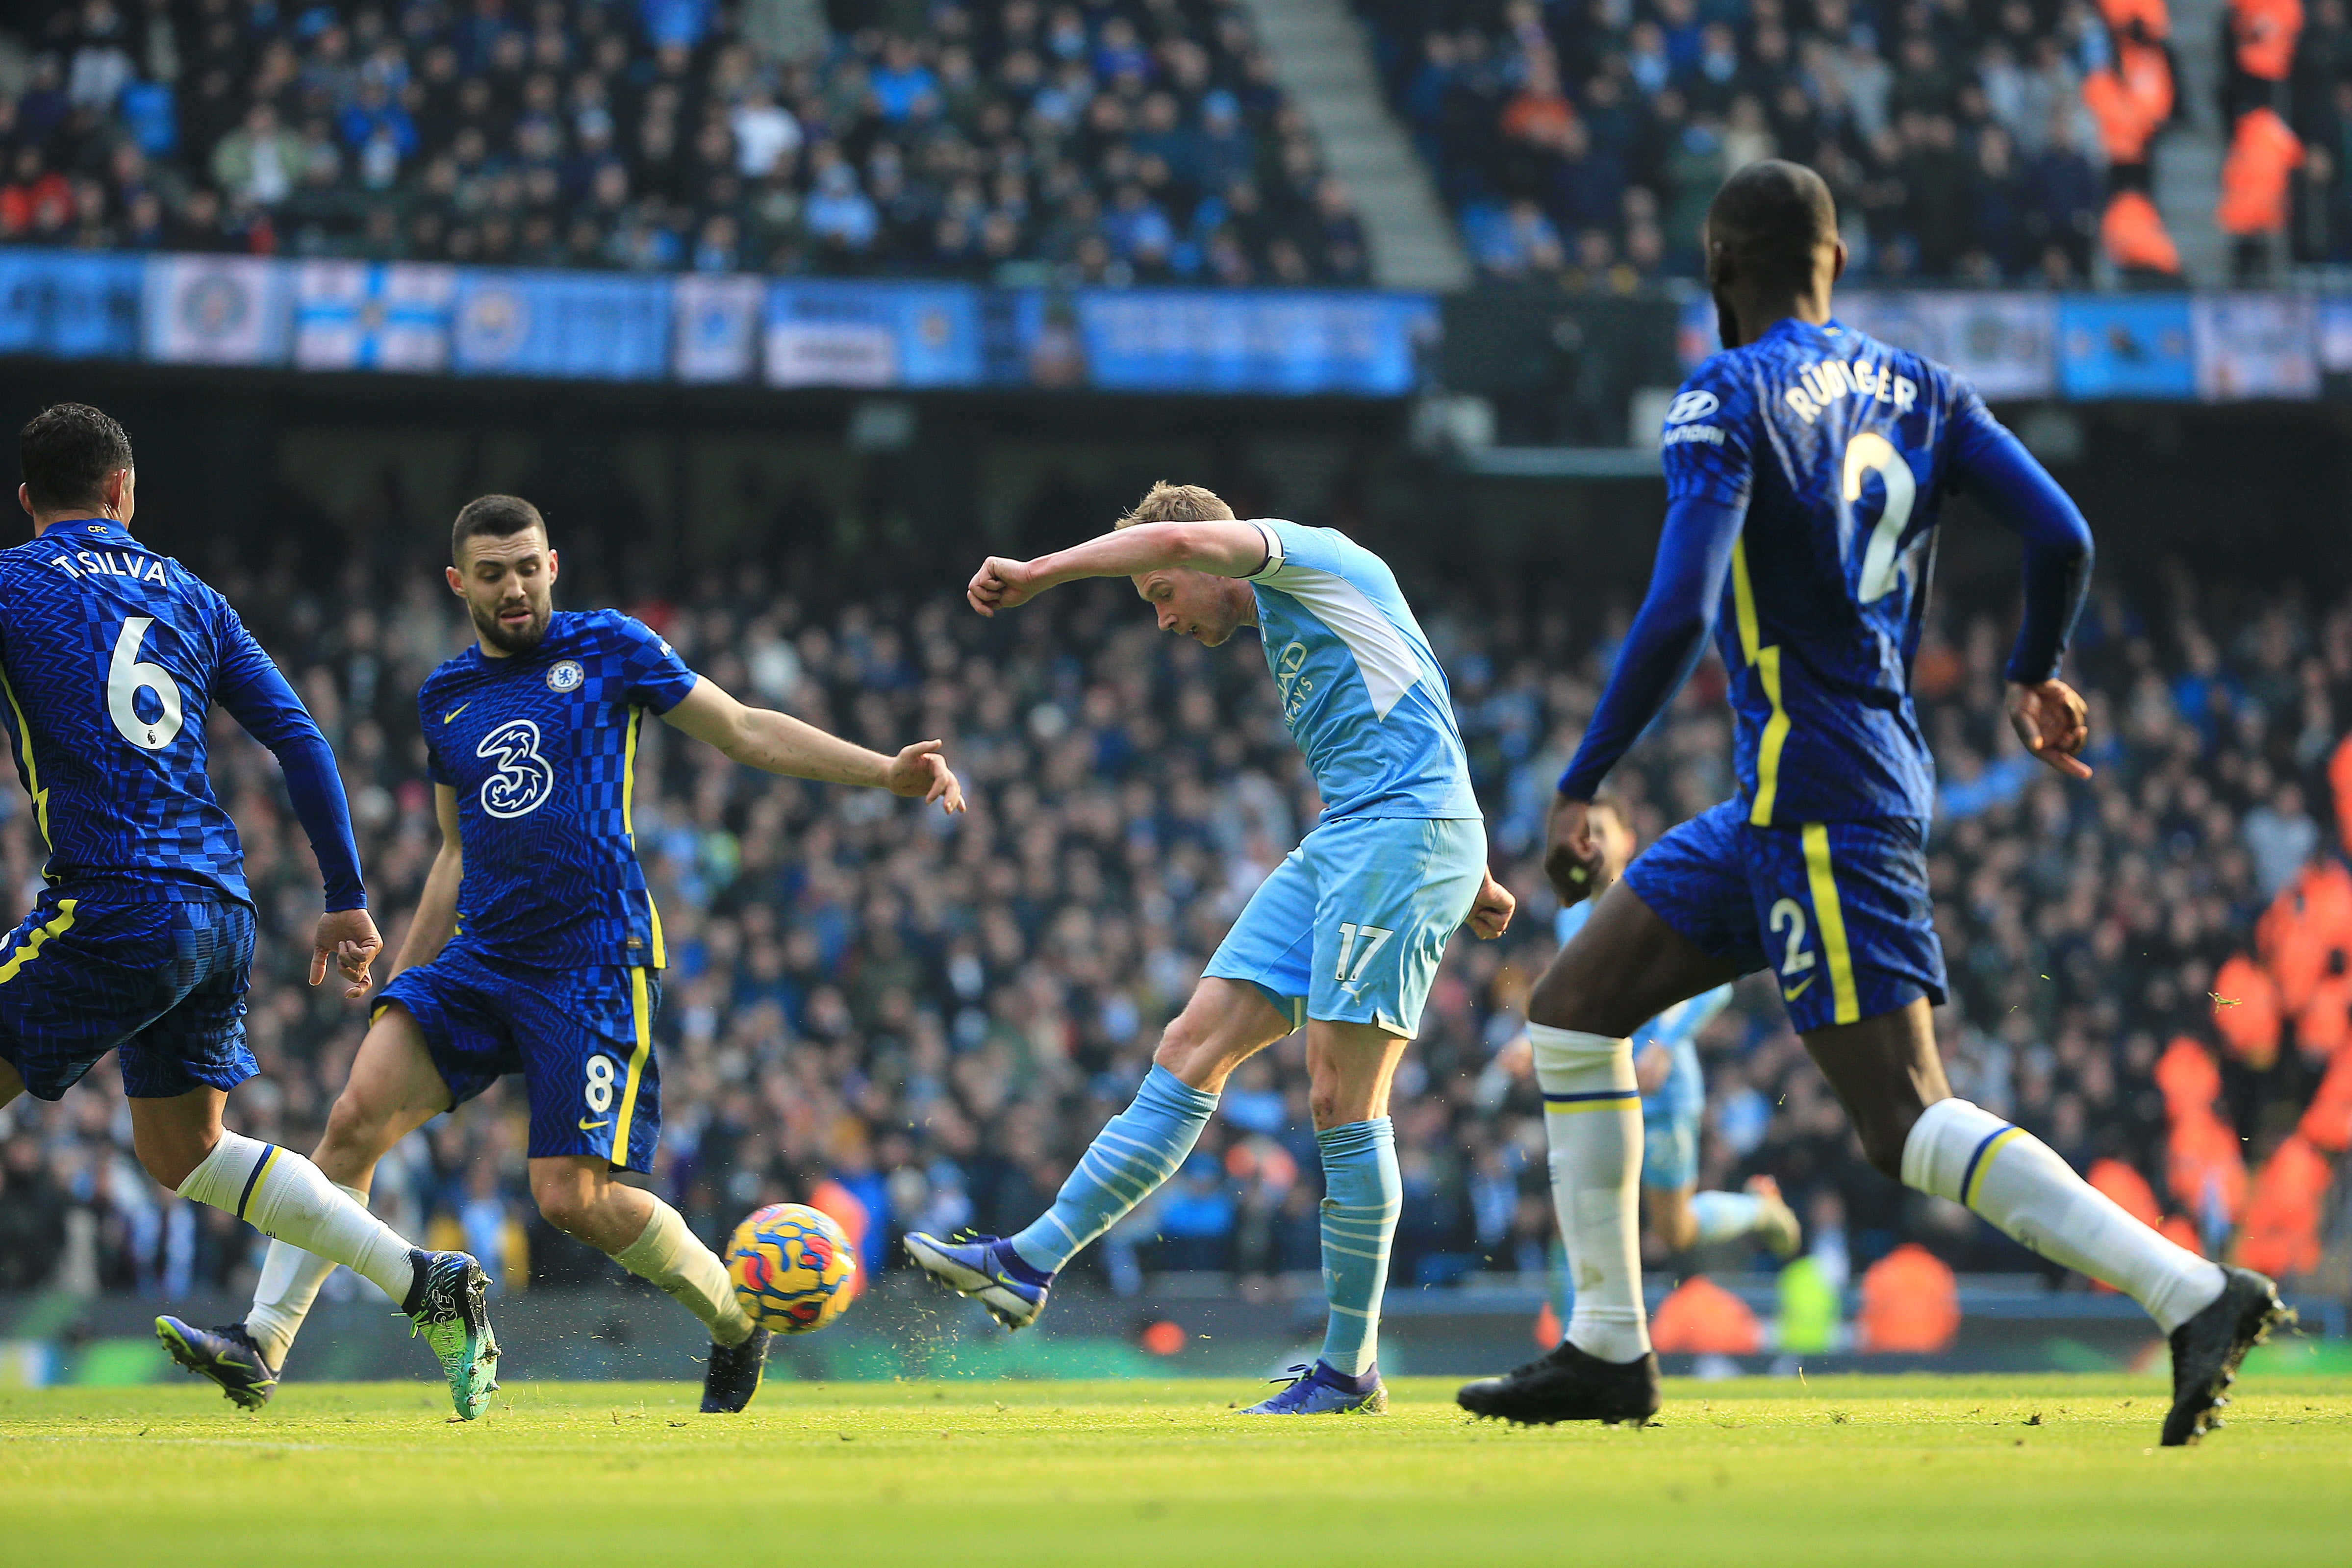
1343	939
1674	1093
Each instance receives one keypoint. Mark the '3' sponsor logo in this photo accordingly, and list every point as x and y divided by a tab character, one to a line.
523	779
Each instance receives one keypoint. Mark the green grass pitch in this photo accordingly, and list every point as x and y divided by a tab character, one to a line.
1908	1471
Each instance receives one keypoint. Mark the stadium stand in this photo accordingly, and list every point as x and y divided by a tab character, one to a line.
1980	143
1012	140
923	1022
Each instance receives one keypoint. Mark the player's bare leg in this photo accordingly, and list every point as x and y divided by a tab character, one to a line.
1625	967
1349	1069
1887	1074
1224	1024
1685	1217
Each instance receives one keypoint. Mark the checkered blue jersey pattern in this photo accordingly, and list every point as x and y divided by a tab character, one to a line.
1841	450
112	656
1363	695
541	748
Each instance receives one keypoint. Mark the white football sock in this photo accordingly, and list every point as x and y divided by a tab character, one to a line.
673	1259
287	1198
289	1283
1592	1116
1963	1152
1723	1215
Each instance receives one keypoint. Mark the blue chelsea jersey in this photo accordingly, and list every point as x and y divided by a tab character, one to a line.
110	656
1361	692
541	748
1841	448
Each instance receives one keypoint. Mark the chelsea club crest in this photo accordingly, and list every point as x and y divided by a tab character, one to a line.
565	675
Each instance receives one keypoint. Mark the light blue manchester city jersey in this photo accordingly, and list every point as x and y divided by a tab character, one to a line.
1360	690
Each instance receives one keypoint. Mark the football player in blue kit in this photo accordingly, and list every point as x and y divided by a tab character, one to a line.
536	948
111	657
1806	466
1344	938
1673	1091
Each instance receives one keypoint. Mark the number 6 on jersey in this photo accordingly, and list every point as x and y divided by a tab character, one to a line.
126	677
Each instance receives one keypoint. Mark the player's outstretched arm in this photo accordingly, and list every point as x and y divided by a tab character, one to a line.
778	743
1222	548
1669	634
2047	714
256	695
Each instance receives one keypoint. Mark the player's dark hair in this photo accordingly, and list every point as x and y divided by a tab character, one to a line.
1613	806
501	516
67	451
1770	219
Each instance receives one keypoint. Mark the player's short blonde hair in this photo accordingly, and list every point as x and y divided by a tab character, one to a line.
1164	503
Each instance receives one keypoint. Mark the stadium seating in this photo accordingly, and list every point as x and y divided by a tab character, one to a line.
929	1023
1008	139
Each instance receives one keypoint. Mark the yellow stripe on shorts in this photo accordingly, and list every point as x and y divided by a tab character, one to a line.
641	1011
1829	918
56	925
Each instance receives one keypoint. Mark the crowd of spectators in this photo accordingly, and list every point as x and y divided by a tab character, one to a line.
1093	141
1583	138
929	1018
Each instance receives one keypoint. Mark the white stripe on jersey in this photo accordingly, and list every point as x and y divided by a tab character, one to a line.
1383	658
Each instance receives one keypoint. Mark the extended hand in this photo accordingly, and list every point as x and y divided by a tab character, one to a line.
349	937
1571	856
920	770
1001	585
2050	718
1490	916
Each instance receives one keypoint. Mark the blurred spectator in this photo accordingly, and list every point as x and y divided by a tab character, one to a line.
993	143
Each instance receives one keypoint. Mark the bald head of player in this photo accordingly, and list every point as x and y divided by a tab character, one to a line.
77	463
503	567
1772	249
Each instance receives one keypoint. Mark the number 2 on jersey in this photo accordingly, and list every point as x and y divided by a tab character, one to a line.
126	676
1871	453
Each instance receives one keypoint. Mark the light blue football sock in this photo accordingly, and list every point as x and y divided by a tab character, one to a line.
1722	1215
1136	1151
1362	1194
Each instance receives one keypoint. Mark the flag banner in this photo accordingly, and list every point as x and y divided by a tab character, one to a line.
1187	340
2005	345
717	334
583	325
216	309
873	334
363	315
66	305
2126	346
2255	345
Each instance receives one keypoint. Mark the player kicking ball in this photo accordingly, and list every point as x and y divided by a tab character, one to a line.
110	656
1805	467
1344	938
536	948
1674	1094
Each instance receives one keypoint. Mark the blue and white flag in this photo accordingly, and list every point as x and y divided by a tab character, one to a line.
359	315
216	309
717	328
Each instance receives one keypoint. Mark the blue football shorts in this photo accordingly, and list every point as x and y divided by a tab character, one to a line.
1670	1123
1350	927
162	981
582	1038
1839	910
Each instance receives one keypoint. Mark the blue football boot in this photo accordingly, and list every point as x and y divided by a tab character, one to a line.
446	1306
1320	1390
987	1269
227	1355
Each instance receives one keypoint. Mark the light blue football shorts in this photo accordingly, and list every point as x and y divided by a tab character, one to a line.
1350	927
